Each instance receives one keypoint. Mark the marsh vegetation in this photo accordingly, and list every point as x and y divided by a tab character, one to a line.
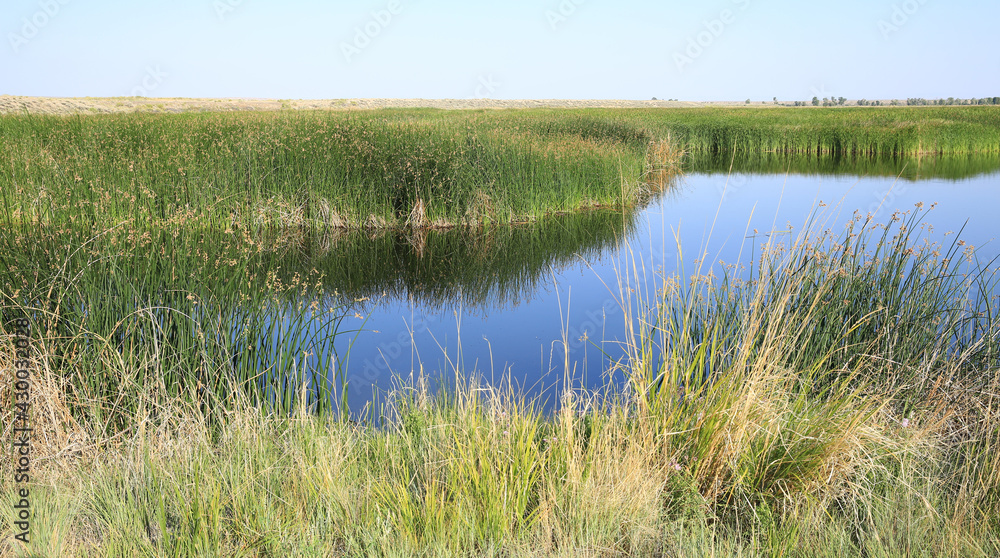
190	279
423	168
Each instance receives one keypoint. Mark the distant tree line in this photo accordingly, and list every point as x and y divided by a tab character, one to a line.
841	101
826	102
867	103
954	101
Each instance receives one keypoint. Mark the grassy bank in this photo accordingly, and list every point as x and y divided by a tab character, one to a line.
480	474
359	170
426	168
868	131
841	400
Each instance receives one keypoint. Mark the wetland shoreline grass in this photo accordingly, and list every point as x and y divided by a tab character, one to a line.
421	168
841	401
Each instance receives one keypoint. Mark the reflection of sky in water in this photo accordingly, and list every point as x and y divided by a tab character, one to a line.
709	216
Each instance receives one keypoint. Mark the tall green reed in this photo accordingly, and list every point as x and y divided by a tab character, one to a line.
215	322
873	298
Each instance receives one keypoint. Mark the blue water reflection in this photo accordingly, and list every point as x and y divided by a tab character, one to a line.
707	219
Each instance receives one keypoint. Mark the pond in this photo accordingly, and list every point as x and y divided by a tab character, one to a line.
536	306
507	309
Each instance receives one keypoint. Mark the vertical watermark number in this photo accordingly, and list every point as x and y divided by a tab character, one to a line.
21	444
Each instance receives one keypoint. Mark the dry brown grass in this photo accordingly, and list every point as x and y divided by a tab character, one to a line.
417	219
57	438
664	160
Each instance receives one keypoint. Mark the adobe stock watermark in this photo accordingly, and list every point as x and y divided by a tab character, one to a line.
899	17
364	35
731	185
31	26
388	352
391	352
821	92
225	7
579	334
561	13
152	80
22	429
885	199
486	87
713	29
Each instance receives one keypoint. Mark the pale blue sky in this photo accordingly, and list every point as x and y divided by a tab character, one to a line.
516	49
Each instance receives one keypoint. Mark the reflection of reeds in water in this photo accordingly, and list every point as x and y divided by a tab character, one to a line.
472	268
417	239
954	167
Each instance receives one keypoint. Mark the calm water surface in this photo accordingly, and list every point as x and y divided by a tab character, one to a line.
505	316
